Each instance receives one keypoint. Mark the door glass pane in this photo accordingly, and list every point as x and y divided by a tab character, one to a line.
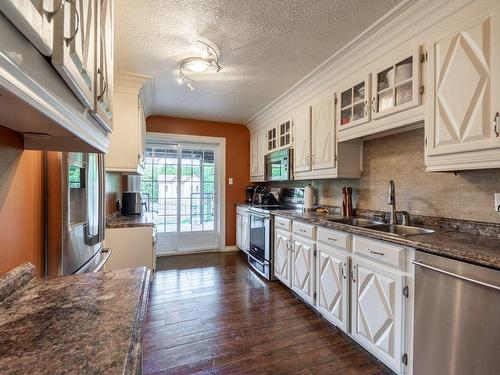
404	70
358	111
385	100
404	93
385	79
345	116
346	98
359	92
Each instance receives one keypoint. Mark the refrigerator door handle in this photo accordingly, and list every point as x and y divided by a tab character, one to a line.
102	193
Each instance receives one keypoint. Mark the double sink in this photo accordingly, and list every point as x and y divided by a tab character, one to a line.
396	229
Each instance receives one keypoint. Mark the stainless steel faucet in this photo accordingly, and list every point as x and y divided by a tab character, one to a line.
391	201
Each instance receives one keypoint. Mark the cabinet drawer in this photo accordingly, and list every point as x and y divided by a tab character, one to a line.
304	230
383	252
282	223
335	238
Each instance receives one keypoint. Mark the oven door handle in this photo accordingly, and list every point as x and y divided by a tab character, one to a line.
257	260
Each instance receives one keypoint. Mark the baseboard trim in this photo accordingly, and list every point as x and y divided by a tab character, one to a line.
229	248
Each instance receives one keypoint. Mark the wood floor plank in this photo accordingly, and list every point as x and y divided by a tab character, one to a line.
210	313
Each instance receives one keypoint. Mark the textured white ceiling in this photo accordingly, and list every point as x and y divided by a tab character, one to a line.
266	47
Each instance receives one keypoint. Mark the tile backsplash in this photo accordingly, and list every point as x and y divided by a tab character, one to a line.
466	195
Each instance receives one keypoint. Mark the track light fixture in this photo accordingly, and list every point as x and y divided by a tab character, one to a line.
208	62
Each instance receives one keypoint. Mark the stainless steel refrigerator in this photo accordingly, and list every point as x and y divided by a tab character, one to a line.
75	216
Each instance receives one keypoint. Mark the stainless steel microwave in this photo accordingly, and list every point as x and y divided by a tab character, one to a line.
278	165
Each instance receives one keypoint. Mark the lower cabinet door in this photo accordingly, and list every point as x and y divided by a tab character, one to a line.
332	287
303	269
282	257
238	232
245	233
377	311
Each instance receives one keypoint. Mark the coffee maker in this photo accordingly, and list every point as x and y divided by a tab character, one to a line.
250	193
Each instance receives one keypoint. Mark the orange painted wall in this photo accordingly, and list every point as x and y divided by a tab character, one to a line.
237	156
21	203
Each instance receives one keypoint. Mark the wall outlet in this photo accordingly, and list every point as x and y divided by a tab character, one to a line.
230	180
497	202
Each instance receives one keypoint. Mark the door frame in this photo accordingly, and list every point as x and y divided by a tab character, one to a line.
220	142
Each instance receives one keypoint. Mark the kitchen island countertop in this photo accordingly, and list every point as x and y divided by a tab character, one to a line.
81	324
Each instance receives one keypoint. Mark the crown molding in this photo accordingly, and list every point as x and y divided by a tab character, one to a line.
129	82
404	22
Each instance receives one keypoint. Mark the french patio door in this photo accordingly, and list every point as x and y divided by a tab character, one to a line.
180	185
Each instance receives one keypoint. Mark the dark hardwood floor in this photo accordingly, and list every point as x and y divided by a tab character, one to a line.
210	314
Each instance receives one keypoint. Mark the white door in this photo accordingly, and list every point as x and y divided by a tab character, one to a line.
74	47
396	85
34	19
303	269
323	131
181	183
332	286
238	231
377	311
302	140
465	96
245	233
103	73
282	257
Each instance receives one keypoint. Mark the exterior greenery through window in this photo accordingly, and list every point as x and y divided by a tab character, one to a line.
179	184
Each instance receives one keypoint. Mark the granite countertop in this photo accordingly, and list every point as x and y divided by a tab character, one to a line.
146	219
81	324
472	248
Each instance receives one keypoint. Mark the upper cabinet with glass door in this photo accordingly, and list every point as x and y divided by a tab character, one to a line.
353	103
396	86
272	139
285	134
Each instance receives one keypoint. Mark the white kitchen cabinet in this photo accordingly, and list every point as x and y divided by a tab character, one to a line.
377	311
242	229
103	72
131	248
303	268
332	286
74	49
283	257
353	107
463	126
258	149
316	151
396	85
302	139
128	139
323	153
34	18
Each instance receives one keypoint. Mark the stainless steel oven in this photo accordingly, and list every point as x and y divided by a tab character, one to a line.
278	165
261	238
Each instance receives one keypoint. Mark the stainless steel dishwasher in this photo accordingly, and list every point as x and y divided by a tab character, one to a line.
457	317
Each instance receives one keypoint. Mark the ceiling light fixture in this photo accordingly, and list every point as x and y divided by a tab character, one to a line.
207	62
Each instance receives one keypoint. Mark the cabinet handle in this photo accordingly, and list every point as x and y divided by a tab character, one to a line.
105	88
373	105
375	252
69	39
332	239
313	160
364	109
307	160
342	270
352	274
495	124
302	230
